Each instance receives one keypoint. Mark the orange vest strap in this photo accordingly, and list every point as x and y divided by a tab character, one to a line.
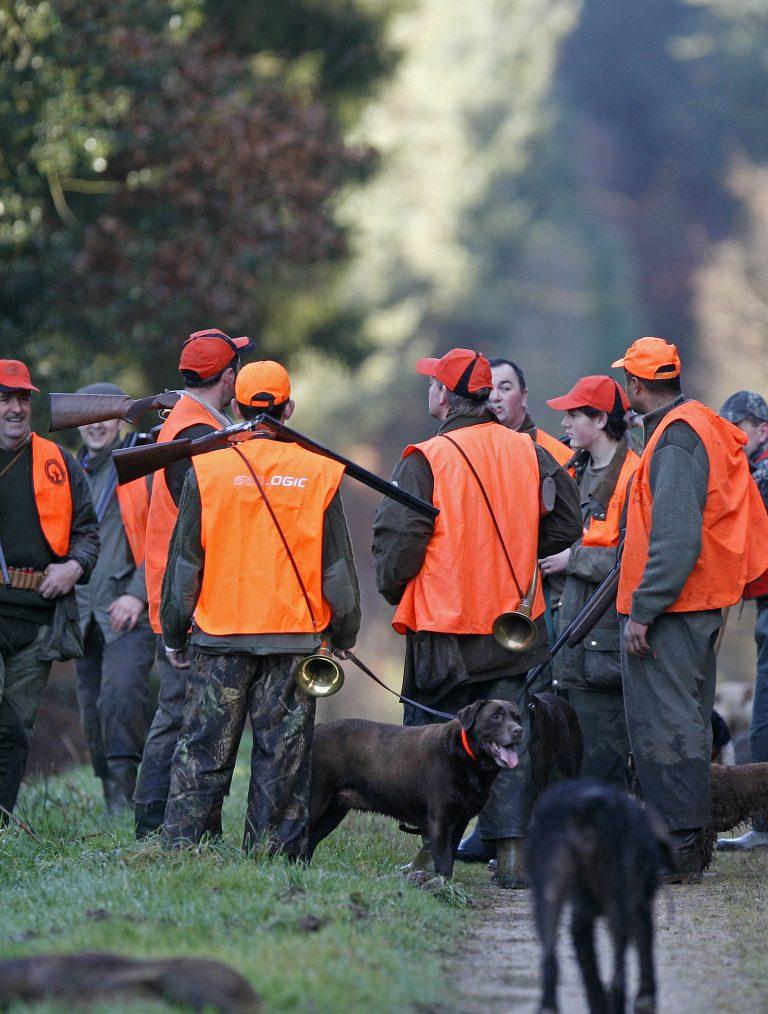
604	531
53	493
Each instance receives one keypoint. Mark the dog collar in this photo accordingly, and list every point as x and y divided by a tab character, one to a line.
465	744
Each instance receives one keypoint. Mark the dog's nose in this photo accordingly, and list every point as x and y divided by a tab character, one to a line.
517	733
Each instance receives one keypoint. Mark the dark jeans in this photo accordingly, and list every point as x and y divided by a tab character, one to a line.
758	733
113	694
669	696
507	813
155	771
222	690
22	681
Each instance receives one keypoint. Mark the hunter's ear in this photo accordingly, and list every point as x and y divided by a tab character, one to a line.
468	715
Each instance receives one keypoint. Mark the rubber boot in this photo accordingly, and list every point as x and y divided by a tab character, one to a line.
149	818
422	860
688	856
509	870
119	786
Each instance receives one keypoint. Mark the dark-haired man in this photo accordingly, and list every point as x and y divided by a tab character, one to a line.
209	363
748	410
49	541
509	403
451	577
696	533
261	570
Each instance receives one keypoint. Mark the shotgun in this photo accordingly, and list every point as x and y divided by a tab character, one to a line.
593	609
134	462
68	410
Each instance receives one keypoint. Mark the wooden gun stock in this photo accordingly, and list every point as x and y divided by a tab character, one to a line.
69	410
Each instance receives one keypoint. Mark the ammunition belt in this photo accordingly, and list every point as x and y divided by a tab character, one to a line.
25	578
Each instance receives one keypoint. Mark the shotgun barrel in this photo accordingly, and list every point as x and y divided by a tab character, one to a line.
134	462
68	410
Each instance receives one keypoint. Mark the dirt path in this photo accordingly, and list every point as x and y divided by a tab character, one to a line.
701	964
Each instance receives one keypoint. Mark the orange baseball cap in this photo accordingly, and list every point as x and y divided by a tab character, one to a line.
14	376
598	392
462	371
263	384
651	359
206	353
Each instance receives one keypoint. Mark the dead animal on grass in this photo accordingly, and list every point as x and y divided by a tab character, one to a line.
434	777
79	979
592	845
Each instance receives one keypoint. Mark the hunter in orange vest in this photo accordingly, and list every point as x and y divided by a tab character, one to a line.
119	644
503	503
748	410
49	541
209	363
260	570
603	465
696	533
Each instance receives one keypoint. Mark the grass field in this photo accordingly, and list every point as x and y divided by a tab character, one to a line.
346	934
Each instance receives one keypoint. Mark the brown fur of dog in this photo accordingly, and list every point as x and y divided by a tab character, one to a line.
420	775
78	979
557	746
738	795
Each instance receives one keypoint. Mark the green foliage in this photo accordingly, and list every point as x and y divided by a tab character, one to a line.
345	934
156	177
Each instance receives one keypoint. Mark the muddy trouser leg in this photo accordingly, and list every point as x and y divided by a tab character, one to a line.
758	733
151	791
22	681
283	720
668	697
214	716
122	705
88	688
604	728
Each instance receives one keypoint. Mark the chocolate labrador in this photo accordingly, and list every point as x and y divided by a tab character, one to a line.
434	777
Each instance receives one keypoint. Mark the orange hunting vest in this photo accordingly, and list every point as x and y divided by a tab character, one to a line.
465	582
604	530
556	448
249	585
53	493
734	546
162	510
133	501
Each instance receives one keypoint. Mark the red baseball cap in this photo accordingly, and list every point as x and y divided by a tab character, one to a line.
206	353
651	359
598	392
462	371
263	384
14	376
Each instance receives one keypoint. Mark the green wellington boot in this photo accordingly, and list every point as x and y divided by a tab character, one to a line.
509	868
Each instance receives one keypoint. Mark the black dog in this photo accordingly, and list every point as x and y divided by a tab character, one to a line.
557	746
434	777
593	845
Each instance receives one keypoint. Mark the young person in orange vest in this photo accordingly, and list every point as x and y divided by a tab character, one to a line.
261	571
209	363
112	676
603	464
748	410
697	532
49	541
452	577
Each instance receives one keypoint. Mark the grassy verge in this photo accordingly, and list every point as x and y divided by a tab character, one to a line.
346	934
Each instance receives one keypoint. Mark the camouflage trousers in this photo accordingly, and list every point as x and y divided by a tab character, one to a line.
221	691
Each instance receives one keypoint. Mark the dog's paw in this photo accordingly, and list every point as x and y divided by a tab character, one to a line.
425	880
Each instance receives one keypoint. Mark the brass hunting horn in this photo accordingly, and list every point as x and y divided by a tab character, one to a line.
516	631
319	675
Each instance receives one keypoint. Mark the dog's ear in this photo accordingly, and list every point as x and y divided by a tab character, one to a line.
468	715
